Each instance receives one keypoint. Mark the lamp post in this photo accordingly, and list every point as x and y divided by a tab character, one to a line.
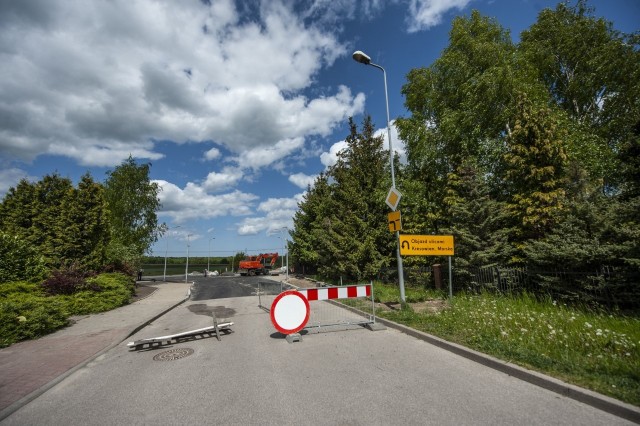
209	253
166	250
286	248
363	58
186	269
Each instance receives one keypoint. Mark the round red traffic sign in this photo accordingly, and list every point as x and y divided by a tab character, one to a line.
289	312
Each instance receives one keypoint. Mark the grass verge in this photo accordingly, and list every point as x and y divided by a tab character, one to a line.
595	350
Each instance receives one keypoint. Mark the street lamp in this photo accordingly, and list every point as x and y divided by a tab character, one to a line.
209	253
186	269
166	250
363	58
286	248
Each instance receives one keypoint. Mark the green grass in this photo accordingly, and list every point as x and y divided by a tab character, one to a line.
26	312
596	350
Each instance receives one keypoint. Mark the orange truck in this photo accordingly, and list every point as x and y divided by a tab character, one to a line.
256	265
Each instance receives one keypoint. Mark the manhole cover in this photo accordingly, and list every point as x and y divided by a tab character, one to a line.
173	354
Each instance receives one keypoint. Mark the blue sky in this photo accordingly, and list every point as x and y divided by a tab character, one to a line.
237	105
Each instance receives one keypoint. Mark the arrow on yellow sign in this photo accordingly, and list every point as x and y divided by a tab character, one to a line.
426	245
394	221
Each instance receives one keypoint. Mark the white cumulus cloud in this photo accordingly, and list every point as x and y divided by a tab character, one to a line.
98	81
424	14
302	180
194	202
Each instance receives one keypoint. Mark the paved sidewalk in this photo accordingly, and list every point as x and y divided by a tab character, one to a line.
29	368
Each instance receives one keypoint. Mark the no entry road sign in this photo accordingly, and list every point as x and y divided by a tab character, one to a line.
289	312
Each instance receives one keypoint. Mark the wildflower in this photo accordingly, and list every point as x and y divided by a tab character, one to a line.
572	318
504	334
586	324
523	330
598	332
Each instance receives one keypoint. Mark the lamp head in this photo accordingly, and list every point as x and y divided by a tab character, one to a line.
360	56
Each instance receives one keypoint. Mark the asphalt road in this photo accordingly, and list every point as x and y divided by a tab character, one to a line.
222	287
253	376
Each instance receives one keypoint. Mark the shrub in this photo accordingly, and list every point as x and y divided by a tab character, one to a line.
69	280
26	313
115	290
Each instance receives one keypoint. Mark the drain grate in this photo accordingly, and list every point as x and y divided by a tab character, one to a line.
173	354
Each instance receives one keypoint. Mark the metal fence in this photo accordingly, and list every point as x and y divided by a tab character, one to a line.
604	285
338	313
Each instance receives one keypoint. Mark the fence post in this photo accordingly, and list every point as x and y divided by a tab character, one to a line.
498	287
373	303
437	275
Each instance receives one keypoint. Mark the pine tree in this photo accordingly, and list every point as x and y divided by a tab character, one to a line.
84	224
51	193
536	168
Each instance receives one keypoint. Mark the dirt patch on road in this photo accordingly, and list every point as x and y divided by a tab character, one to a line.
301	282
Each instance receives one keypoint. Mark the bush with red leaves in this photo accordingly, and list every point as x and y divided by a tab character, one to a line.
68	280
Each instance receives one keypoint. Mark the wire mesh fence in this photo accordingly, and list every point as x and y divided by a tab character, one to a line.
603	285
332	308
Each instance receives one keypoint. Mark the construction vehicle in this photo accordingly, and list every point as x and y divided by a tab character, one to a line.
257	265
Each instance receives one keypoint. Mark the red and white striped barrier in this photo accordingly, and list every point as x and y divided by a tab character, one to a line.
291	311
346	292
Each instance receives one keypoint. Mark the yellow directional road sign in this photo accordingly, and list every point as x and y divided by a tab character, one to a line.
426	245
394	221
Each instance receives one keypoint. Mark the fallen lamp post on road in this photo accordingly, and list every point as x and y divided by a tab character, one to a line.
155	341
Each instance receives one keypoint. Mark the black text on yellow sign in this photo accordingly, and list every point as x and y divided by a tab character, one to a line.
426	245
395	224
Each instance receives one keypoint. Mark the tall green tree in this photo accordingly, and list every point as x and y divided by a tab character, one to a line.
592	72
462	107
479	222
536	168
340	226
308	223
83	225
132	201
361	240
50	195
18	209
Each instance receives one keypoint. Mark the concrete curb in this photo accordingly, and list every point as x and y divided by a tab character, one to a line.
594	399
36	393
